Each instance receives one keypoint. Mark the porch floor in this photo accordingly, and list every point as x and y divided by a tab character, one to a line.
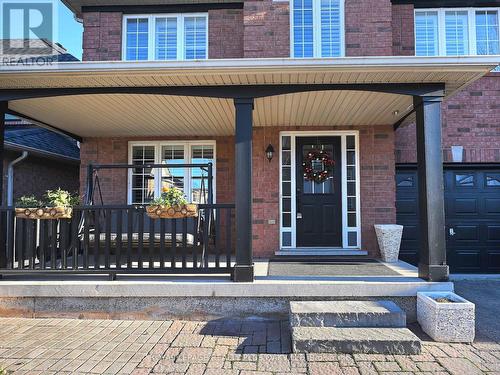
398	279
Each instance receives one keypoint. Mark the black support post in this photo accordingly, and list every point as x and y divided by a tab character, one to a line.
432	253
243	270
3	110
4	106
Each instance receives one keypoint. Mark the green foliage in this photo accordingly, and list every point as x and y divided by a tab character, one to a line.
60	198
28	201
52	198
170	197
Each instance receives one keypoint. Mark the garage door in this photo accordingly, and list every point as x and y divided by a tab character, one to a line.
472	206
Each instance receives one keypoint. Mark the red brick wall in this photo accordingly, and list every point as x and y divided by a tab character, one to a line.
102	36
377	179
470	118
267	29
368	29
36	175
225	33
403	34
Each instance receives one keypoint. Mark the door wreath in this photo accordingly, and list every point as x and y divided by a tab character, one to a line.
318	165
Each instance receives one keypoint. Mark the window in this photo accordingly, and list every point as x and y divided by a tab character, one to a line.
147	183
166	37
317	28
457	32
464	180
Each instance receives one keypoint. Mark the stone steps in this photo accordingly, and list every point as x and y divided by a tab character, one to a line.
346	314
354	340
377	327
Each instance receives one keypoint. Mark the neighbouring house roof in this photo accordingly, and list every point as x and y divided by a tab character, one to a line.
44	49
20	135
121	113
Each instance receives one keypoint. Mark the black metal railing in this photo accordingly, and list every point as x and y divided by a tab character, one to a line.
119	240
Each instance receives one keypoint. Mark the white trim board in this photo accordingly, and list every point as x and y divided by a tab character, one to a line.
345	229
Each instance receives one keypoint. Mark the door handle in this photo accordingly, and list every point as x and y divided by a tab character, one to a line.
451	231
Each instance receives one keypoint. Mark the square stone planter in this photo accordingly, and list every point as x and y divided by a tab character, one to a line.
446	321
389	240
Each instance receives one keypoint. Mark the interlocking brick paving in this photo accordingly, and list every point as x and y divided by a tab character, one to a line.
226	346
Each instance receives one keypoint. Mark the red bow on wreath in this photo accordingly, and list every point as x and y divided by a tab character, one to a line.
318	165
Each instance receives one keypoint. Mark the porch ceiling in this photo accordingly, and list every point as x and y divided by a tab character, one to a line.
170	115
159	115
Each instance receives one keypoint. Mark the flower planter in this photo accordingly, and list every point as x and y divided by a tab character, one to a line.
172	212
389	240
446	321
44	213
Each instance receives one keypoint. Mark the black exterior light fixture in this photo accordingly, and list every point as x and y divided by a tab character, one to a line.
269	152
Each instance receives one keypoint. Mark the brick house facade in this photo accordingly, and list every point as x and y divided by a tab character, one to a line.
261	29
471	118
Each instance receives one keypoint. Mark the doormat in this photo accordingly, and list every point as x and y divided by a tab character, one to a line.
328	267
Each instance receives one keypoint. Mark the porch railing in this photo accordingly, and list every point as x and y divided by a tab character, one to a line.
119	240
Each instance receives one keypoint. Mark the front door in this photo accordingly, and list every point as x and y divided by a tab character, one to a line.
318	195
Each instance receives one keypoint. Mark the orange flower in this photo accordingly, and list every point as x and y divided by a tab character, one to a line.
165	189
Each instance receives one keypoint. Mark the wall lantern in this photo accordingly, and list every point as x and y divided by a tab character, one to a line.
269	152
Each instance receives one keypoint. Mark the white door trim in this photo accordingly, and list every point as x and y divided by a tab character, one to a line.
345	229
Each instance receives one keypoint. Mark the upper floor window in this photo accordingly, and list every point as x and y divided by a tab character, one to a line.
457	32
317	28
165	37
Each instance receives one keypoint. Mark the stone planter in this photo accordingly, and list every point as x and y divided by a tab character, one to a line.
389	240
172	212
446	321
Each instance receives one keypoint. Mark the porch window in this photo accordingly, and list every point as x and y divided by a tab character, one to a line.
317	28
146	184
165	37
457	32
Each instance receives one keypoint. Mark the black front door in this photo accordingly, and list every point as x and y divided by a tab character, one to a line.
319	199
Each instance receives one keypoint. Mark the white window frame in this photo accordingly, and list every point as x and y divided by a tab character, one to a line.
293	165
152	37
442	31
317	30
158	160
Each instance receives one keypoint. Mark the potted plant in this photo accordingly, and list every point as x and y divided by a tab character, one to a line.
172	204
57	204
446	317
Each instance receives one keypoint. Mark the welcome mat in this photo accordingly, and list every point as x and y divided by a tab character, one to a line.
288	266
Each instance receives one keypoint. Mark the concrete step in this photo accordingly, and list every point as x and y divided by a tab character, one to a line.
354	340
346	314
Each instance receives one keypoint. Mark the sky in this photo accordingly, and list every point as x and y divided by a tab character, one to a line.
70	31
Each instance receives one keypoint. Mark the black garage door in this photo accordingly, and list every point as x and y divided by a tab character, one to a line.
472	205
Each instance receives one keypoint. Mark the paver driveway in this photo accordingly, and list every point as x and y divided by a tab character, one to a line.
50	346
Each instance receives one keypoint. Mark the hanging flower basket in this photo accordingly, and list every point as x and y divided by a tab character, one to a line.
172	212
44	213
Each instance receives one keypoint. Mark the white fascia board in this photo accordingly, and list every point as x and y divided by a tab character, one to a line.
349	63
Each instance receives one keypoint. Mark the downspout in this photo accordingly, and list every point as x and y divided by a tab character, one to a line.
10	178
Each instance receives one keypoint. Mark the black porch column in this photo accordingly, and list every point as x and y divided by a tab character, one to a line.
432	253
3	215
243	270
3	110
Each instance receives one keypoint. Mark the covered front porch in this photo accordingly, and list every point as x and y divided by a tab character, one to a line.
352	104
